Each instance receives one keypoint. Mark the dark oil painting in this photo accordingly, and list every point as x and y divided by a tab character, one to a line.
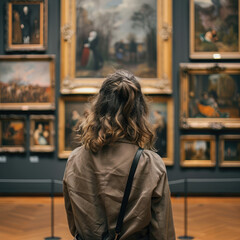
158	119
232	150
216	25
25	23
12	133
75	112
116	34
214	96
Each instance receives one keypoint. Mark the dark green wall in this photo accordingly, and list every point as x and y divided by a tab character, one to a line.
18	165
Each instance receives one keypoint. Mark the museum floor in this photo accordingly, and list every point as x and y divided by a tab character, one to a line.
209	218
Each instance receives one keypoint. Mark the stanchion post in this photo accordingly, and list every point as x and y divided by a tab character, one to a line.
52	214
185	237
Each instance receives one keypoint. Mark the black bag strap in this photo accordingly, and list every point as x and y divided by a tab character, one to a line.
127	193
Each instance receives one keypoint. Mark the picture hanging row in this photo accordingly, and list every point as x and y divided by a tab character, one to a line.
210	95
200	150
13	133
27	82
73	109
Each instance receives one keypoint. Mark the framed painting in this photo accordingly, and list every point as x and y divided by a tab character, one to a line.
101	36
210	95
27	82
12	133
72	110
42	133
198	151
161	118
26	25
214	29
229	150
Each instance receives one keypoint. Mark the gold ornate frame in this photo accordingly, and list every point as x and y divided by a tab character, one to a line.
32	105
222	161
186	69
42	46
72	85
210	55
12	148
196	162
169	160
42	148
62	152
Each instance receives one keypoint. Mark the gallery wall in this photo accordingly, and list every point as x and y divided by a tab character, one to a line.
29	165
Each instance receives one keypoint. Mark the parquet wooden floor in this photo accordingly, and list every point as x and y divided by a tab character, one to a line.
28	218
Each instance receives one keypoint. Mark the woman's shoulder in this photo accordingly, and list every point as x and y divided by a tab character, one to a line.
154	159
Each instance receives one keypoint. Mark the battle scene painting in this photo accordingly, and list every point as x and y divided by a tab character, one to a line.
216	26
214	96
25	82
116	34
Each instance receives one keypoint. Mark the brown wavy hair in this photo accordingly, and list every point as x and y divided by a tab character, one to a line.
118	112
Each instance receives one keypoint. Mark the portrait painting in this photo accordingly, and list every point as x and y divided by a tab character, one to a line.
210	95
161	119
215	29
112	35
229	150
197	151
73	110
27	82
27	26
42	133
12	134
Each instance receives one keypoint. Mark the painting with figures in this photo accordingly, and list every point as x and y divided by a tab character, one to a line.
75	112
27	81
214	96
115	34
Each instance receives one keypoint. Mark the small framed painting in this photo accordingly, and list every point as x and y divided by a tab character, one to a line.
229	150
27	82
12	133
214	29
27	25
42	133
198	151
72	110
161	118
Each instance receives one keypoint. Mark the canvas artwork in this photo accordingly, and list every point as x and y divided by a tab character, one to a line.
75	112
216	27
12	134
214	96
26	82
159	121
116	34
41	134
198	150
26	25
229	150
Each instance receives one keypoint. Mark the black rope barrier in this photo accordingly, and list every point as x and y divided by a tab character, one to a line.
174	182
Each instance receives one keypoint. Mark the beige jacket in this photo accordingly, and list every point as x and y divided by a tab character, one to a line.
94	185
